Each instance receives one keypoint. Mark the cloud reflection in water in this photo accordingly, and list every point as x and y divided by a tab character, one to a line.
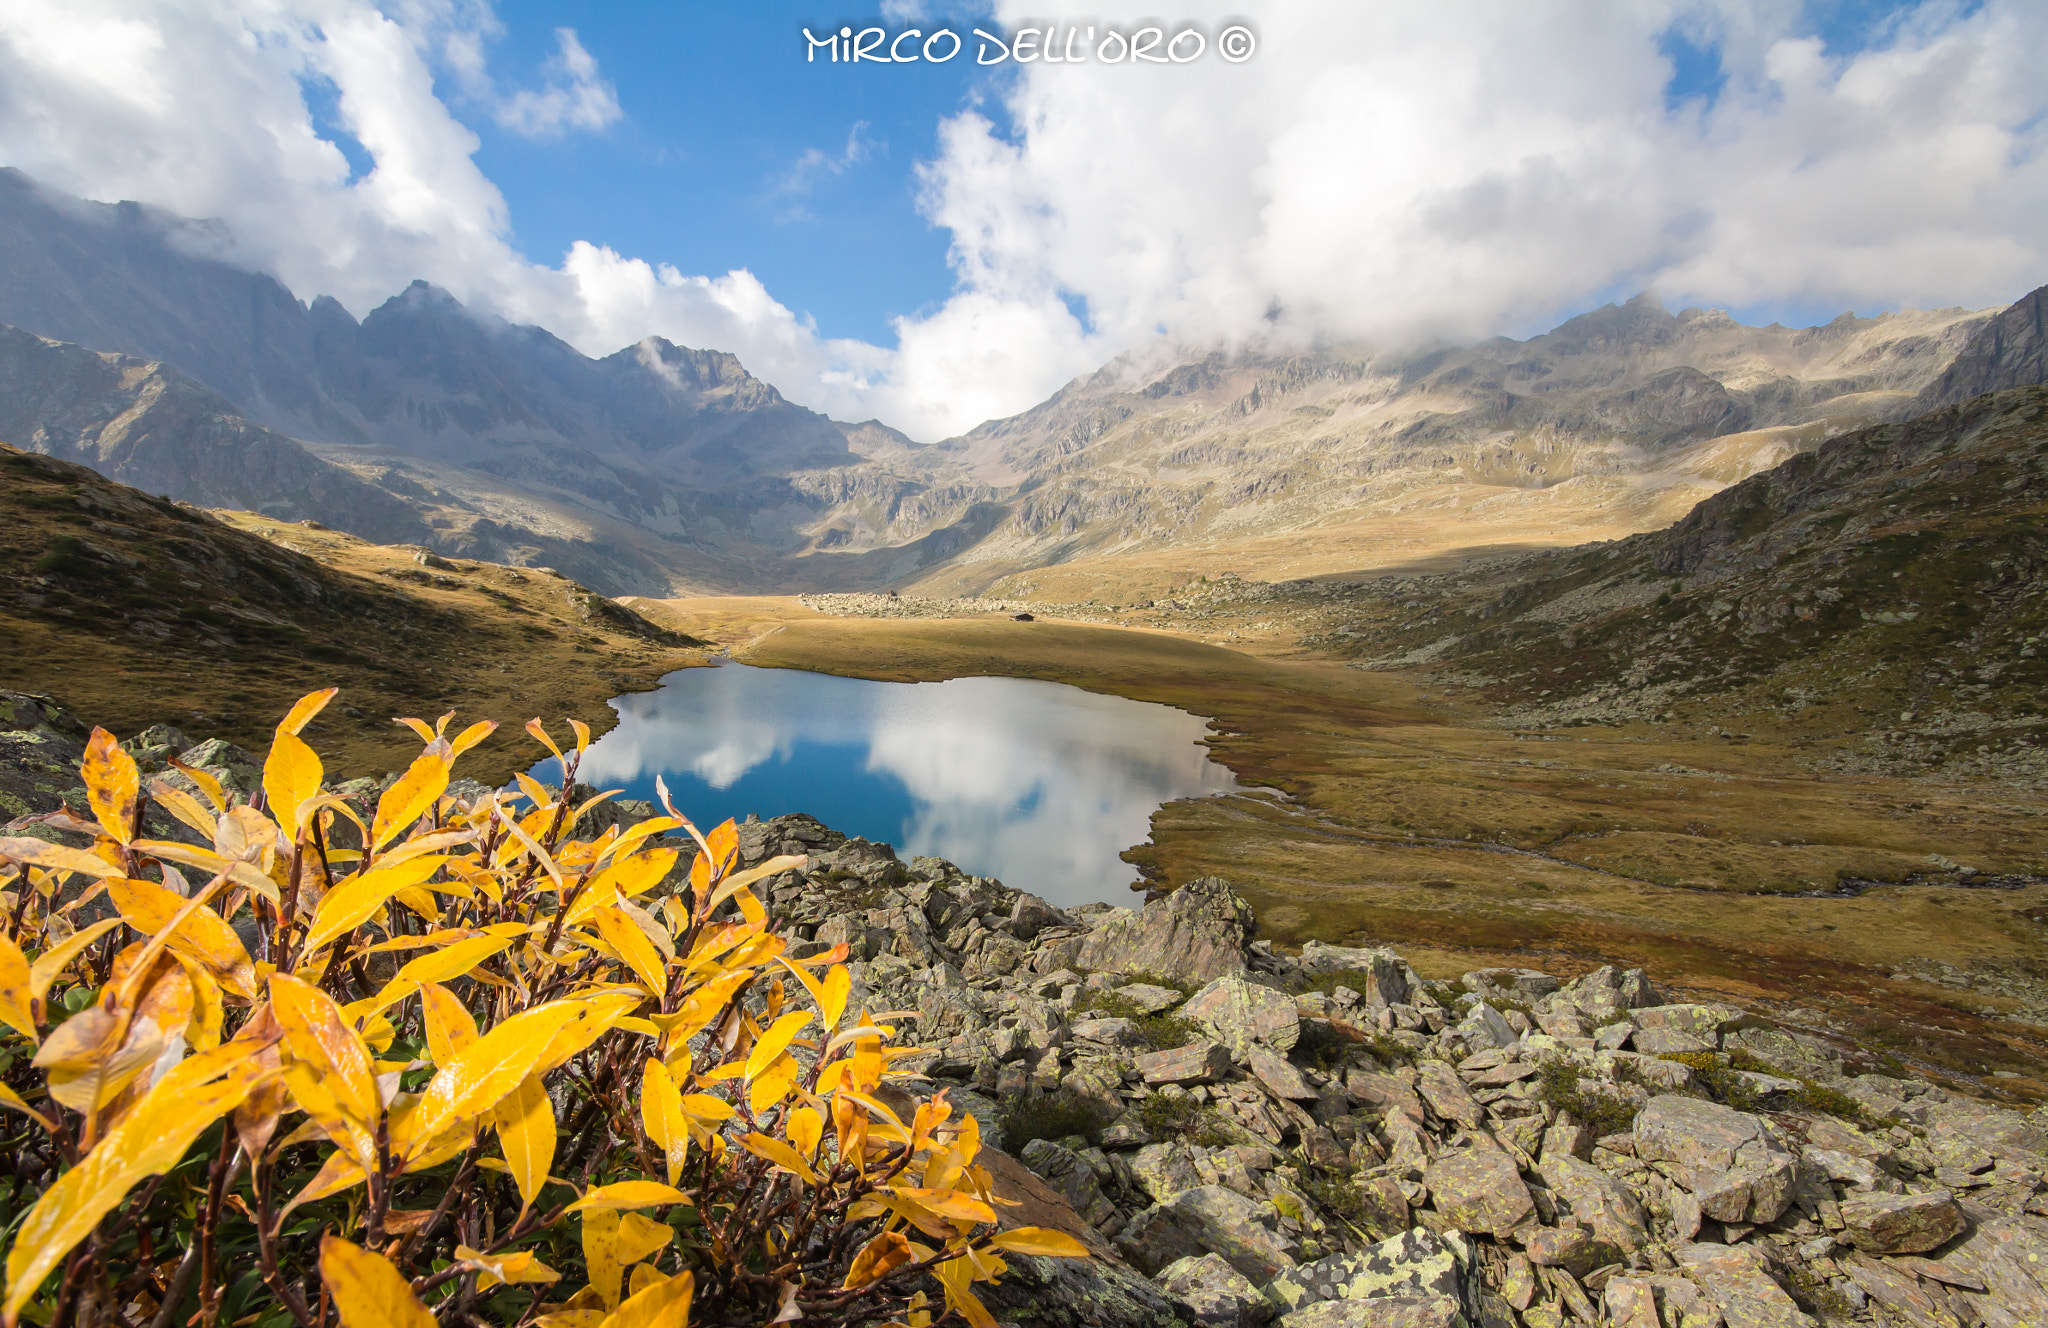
1036	783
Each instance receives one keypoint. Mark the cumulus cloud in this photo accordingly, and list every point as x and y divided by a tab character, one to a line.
575	96
1391	173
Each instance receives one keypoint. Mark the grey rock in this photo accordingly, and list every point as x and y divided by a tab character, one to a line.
1241	1013
1728	1159
1218	1295
1067	1172
1612	1210
1204	1220
1032	915
1279	1075
1109	1032
1516	984
1670	1041
1150	999
1901	1223
1484	1026
1196	1063
1416	1262
1163	1170
1480	1190
1388	978
1200	932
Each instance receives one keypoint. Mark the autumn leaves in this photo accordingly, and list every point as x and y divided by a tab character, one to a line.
461	1033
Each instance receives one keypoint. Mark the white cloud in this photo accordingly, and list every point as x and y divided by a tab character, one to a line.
1388	172
575	96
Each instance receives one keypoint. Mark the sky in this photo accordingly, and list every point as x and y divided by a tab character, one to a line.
935	244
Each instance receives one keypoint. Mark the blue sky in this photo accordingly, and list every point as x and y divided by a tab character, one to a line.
707	169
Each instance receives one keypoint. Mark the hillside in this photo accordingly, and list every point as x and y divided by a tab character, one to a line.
660	469
140	611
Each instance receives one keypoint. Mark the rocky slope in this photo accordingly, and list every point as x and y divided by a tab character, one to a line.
1324	1140
141	610
149	426
1889	585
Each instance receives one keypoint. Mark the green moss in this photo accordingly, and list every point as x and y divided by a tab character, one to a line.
1558	1085
1184	1119
1059	1115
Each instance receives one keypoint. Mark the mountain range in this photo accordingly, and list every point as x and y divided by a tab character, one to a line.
138	346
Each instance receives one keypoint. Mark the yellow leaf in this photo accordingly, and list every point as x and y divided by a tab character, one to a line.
806	1129
303	710
624	935
949	1204
470	737
368	1289
477	1079
526	1135
350	904
772	1084
206	783
245	874
291	775
956	1276
705	1112
453	961
661	1114
878	1258
184	806
17	997
629	1194
191	1096
832	1004
506	1269
594	1017
319	1037
540	733
415	793
112	785
663	1305
450	1029
641	1236
1041	1240
202	937
780	1153
10	1098
771	1044
56	856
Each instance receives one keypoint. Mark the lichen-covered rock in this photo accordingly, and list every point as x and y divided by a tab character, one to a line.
1446	1094
1737	1280
1386	1312
1480	1191
1071	1177
1075	1293
1386	977
1729	1159
1163	1170
1574	1249
1150	999
1196	1063
1278	1074
1509	984
1198	932
1241	1013
1901	1223
1611	1210
1414	1263
1208	1220
1215	1293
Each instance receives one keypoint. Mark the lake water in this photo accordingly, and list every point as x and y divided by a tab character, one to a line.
1035	783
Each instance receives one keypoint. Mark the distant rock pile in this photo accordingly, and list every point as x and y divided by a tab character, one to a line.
1328	1140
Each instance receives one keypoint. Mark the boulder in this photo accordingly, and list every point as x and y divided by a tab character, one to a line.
1150	999
1032	915
1737	1280
1901	1223
1196	1063
1416	1262
1519	985
1241	1013
1071	1177
1215	1293
1729	1159
1108	1032
1610	1209
1574	1249
1445	1092
1480	1191
1200	932
1603	993
1484	1026
1278	1074
1207	1219
1386	978
1163	1170
1386	1312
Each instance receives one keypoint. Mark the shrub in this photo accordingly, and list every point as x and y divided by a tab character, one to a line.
1054	1116
567	1092
1184	1119
1558	1084
1160	1031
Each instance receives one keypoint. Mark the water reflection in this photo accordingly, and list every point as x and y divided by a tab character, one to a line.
1036	783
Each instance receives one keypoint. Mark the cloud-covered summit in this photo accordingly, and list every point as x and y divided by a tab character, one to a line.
1383	172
